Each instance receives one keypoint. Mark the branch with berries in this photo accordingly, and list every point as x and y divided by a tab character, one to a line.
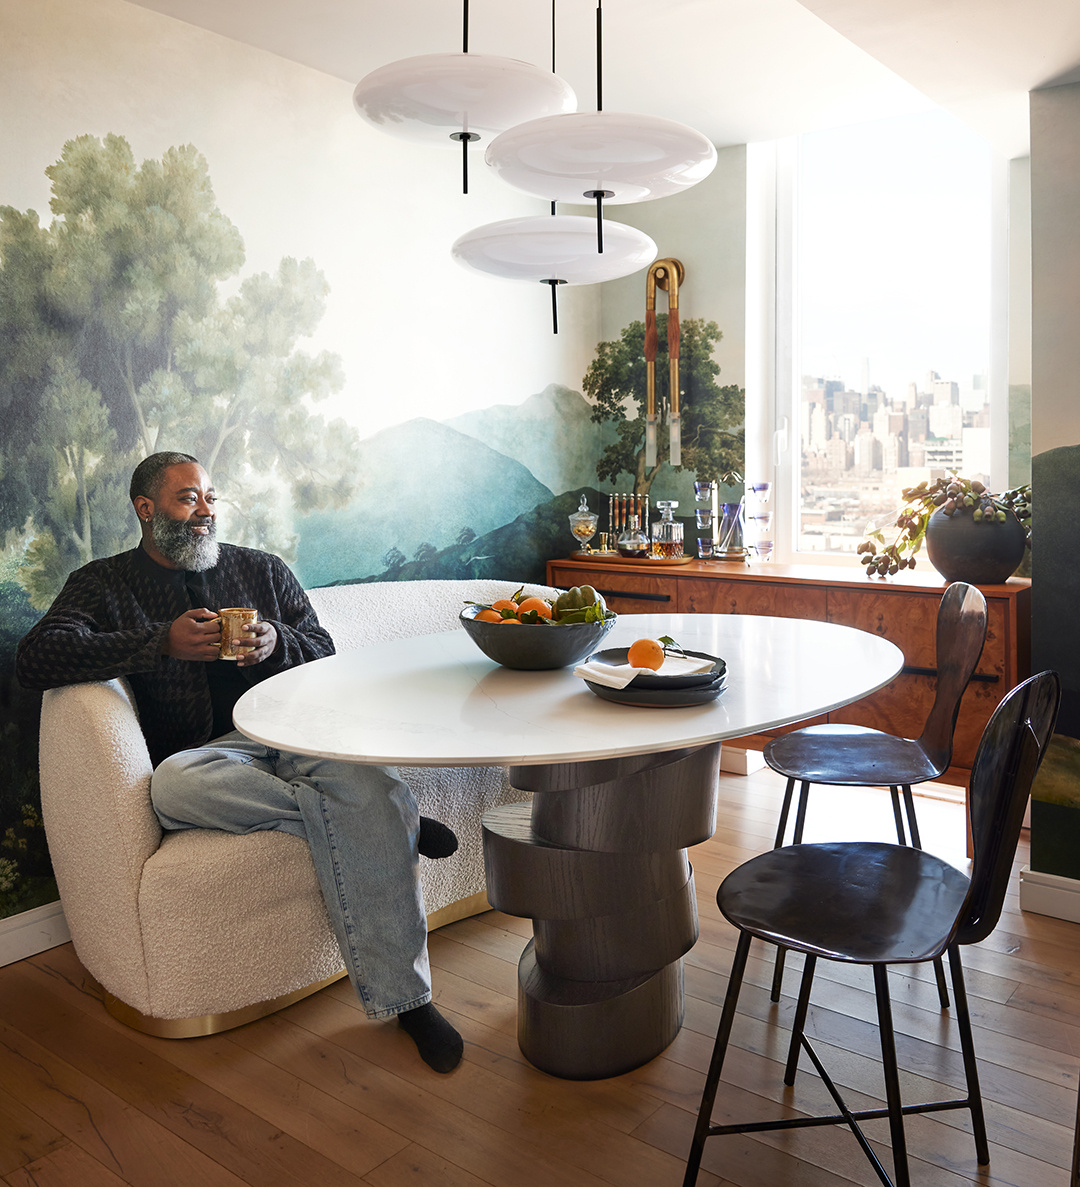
953	496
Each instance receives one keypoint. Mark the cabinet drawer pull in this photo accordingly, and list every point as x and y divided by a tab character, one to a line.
979	677
638	597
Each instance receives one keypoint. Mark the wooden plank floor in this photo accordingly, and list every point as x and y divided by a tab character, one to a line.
319	1095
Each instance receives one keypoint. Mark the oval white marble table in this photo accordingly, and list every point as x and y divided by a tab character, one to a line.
598	861
436	700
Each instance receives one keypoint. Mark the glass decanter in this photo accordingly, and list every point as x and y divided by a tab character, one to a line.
667	535
633	542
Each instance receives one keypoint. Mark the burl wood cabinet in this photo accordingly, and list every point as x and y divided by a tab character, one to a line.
903	609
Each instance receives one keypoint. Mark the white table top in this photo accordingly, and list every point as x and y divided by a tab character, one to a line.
437	700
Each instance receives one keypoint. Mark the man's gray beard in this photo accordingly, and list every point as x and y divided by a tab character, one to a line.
176	540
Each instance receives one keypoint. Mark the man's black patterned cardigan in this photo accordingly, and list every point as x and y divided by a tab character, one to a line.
111	619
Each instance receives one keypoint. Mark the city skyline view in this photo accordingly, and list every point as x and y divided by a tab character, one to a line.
894	318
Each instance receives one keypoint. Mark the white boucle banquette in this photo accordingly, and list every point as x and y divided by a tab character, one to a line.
200	930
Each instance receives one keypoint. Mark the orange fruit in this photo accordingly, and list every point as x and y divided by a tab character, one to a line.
505	604
538	604
489	616
515	621
645	653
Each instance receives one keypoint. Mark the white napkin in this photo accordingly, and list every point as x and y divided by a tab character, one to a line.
620	675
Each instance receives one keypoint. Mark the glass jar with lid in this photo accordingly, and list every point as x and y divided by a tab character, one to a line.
667	534
583	524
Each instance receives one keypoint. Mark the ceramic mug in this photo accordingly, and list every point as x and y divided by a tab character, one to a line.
234	642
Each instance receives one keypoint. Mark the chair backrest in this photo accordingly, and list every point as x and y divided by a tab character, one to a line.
961	633
1009	754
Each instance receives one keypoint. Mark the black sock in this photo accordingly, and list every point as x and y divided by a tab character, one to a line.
439	1044
436	840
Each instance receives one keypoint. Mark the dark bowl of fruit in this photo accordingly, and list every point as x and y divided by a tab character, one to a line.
533	633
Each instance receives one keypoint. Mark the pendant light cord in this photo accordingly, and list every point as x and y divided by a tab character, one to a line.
599	56
465	137
598	196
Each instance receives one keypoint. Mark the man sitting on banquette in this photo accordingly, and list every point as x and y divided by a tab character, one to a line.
150	615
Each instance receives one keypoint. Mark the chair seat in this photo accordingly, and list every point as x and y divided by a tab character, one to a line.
850	756
801	897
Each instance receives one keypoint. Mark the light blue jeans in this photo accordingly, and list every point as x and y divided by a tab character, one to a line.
362	825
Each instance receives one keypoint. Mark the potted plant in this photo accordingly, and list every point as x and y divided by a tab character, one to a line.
969	533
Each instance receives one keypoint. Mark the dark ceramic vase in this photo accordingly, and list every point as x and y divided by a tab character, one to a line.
978	553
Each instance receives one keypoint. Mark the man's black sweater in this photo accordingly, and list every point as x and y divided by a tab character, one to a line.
112	617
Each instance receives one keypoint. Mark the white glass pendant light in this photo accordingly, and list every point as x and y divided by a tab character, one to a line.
451	99
430	97
559	248
601	156
554	250
631	158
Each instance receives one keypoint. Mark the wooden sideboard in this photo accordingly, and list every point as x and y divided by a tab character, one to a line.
903	609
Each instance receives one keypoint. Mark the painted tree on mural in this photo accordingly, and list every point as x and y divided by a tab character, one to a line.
712	446
115	342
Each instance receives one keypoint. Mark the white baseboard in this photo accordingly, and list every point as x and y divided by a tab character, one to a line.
736	761
1049	894
32	931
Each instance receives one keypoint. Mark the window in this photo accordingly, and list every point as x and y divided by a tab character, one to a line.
883	369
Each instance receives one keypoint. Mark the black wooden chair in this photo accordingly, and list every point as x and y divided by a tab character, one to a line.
865	902
855	756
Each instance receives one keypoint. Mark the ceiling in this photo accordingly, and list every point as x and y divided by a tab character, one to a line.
739	70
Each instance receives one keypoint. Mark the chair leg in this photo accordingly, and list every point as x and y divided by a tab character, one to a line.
898	819
909	808
800	821
781	828
777	975
942	986
716	1065
967	1046
916	841
892	1076
800	815
799	1024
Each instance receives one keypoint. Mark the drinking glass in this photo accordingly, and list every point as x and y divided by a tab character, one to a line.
760	491
705	547
704	517
703	490
760	527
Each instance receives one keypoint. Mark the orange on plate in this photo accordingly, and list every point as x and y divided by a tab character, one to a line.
645	653
538	604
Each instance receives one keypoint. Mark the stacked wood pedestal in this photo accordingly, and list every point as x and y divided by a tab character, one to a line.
599	864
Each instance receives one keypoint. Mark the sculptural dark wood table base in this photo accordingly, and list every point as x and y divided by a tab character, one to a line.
599	863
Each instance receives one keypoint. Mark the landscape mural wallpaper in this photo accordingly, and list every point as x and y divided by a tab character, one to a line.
170	281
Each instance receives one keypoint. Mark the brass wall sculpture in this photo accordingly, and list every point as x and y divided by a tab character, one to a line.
667	274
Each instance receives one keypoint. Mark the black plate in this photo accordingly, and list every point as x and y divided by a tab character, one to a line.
617	656
660	698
